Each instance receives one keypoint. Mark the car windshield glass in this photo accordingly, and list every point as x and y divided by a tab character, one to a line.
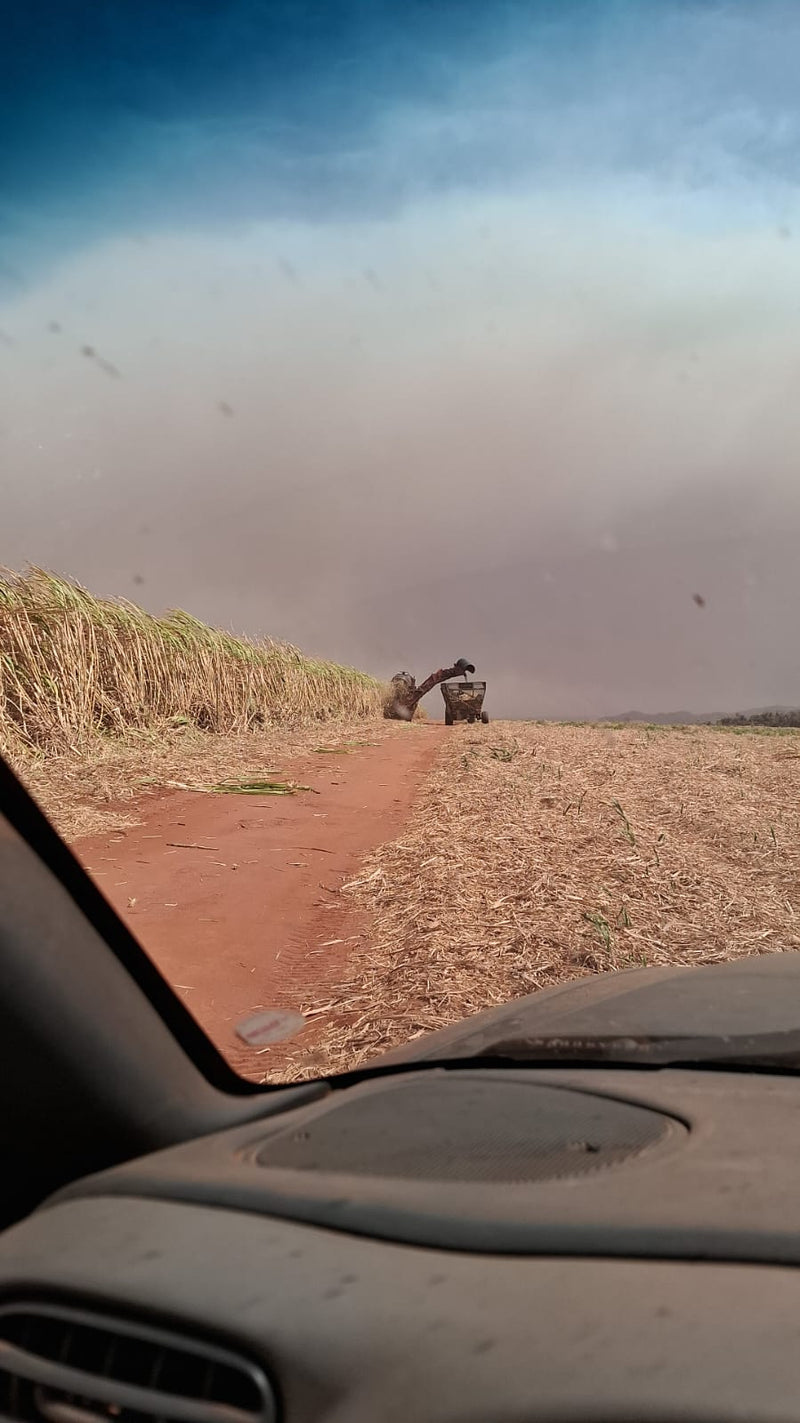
399	504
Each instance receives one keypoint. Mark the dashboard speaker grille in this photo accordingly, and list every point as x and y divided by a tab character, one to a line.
469	1129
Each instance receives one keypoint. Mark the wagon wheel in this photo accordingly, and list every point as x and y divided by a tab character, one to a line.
448	717
471	720
485	718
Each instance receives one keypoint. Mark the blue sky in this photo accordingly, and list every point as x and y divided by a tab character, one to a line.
207	113
511	287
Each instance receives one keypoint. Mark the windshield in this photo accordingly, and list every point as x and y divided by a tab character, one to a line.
399	501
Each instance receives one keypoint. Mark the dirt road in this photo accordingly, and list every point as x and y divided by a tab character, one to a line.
237	898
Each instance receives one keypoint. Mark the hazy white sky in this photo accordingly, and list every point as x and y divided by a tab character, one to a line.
505	368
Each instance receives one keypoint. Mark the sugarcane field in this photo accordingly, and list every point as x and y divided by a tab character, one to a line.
377	860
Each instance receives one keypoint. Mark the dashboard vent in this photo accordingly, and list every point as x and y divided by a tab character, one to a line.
59	1365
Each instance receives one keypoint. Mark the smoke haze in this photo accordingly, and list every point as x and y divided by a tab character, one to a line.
412	334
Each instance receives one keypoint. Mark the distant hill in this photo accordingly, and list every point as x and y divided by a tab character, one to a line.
756	716
678	718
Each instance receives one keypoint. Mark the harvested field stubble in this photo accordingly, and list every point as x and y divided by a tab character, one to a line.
99	790
542	853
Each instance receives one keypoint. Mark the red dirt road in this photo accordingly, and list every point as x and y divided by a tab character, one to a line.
236	898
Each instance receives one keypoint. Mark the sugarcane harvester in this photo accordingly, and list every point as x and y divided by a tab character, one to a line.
463	700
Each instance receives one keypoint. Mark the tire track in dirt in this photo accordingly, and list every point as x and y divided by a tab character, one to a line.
237	898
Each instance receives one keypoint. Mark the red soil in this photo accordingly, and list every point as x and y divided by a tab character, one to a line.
236	898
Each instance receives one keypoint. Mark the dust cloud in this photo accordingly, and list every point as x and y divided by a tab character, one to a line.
545	422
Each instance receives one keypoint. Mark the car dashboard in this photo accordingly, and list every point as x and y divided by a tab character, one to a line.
445	1245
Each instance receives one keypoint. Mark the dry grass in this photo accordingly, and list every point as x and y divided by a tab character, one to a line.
541	853
74	667
99	701
89	793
